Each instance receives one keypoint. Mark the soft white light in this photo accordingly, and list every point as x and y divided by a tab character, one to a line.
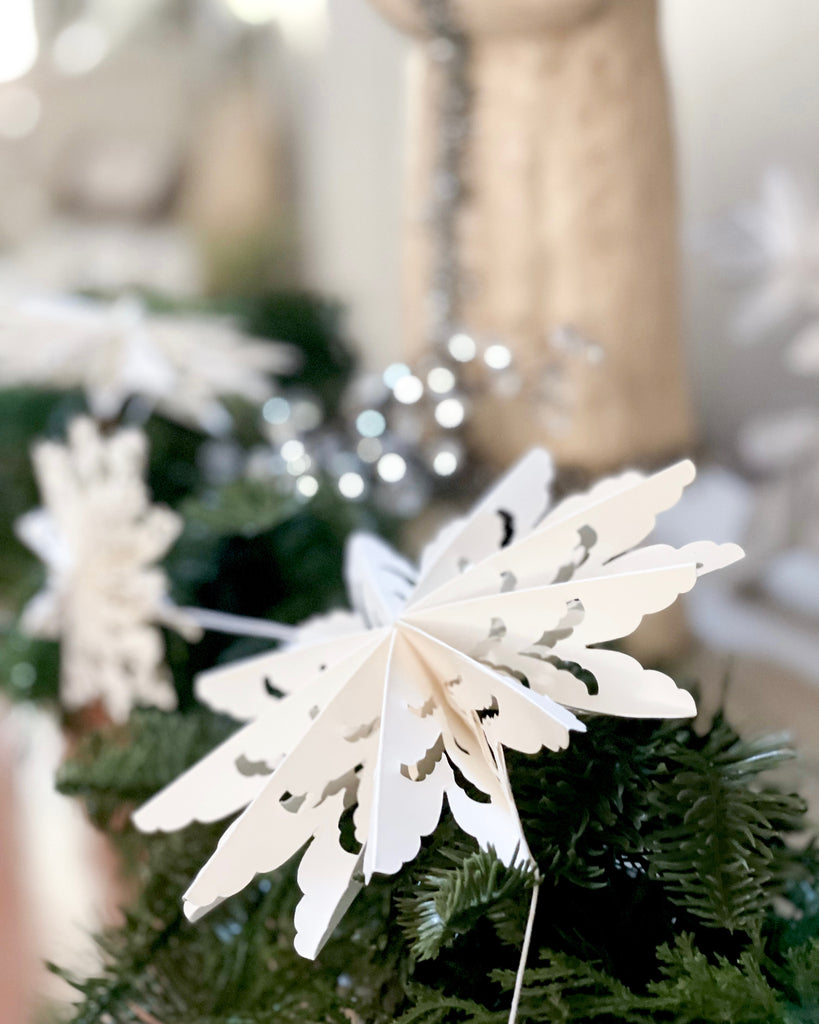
253	12
79	48
20	110
440	380
408	389
497	357
391	468
370	423
369	449
462	348
302	22
295	467
276	410
394	373
18	38
351	485
445	463
307	486
450	413
307	414
292	450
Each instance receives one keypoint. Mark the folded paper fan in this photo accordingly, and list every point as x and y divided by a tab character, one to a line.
414	696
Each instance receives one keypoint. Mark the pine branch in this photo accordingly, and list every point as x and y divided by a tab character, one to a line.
450	901
692	989
128	764
714	836
583	808
432	1007
802	981
244	507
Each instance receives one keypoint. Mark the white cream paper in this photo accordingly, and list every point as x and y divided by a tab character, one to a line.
181	365
413	697
99	537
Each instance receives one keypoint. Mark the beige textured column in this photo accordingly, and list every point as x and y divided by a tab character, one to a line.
569	216
235	197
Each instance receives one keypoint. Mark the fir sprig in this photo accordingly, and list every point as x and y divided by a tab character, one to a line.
716	834
128	764
450	901
608	944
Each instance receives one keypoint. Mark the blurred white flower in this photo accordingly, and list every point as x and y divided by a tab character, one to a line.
773	244
179	365
100	537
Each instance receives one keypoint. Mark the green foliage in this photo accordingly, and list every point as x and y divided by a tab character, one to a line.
243	508
691	988
431	945
128	764
448	902
717	835
25	414
28	667
246	548
801	979
585	806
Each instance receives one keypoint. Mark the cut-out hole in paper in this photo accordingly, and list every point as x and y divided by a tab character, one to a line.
247	767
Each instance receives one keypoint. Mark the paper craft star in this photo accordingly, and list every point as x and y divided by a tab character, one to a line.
180	365
100	537
489	645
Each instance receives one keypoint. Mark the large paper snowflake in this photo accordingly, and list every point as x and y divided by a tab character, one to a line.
100	537
179	365
488	645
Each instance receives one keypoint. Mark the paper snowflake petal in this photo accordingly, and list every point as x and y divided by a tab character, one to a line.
99	537
508	512
330	879
296	801
228	778
244	689
517	717
489	647
378	579
613	518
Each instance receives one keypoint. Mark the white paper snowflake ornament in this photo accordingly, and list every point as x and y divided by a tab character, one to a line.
180	365
489	645
100	537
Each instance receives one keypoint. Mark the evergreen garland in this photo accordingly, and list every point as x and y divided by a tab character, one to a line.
625	930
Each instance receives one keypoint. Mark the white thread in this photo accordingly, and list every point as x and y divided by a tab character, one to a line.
240	625
524	953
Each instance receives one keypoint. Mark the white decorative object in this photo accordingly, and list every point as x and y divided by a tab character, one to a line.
100	537
414	696
180	365
776	248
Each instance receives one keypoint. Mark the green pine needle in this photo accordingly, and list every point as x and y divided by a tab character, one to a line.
450	901
716	835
